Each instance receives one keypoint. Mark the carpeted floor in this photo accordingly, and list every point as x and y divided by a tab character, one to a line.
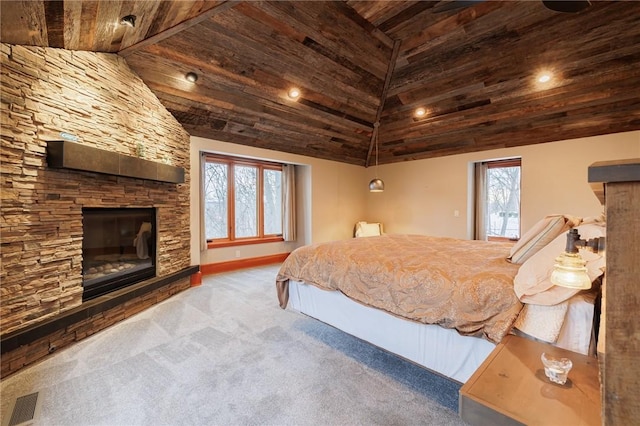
224	353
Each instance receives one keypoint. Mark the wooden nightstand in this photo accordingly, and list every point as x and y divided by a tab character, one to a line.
510	388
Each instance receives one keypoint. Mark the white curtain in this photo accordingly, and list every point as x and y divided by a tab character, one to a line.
203	230
289	202
480	204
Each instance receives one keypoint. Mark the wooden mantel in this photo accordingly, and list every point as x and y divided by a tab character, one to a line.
75	156
617	185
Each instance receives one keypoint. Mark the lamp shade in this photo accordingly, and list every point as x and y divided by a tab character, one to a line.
570	271
376	185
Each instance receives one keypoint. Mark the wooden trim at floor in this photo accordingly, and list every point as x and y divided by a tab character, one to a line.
233	265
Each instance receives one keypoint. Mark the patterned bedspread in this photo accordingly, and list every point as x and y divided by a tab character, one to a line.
461	284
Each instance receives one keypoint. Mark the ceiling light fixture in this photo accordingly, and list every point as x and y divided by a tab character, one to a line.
420	112
191	76
376	185
129	21
544	77
294	93
569	6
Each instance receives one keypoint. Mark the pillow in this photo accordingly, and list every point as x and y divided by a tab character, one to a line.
364	229
532	283
542	322
541	234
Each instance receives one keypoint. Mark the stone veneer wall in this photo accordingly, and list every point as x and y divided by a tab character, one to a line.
98	98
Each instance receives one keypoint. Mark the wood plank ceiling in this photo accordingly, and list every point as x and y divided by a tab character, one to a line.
472	65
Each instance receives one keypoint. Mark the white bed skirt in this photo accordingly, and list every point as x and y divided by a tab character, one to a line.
439	349
436	348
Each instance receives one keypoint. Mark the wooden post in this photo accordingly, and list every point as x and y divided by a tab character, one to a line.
620	189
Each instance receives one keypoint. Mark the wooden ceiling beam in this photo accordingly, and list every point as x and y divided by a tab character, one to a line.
383	97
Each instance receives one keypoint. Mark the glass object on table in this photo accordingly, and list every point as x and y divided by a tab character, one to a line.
556	369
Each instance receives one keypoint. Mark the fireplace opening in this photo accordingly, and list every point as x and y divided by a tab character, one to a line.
118	248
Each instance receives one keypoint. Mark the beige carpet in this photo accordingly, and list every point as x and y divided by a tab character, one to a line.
224	353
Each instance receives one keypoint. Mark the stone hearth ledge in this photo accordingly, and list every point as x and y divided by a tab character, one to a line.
30	334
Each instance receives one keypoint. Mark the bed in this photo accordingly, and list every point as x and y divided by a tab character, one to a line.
442	303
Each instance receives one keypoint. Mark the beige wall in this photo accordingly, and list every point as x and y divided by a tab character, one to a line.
421	196
331	198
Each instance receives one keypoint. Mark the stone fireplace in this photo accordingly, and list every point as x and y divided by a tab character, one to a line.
51	249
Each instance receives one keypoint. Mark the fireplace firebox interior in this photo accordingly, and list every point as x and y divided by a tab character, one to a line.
118	248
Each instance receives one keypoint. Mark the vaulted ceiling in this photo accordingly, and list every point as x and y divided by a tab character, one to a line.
472	65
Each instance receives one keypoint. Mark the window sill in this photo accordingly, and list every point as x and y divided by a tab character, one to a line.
244	242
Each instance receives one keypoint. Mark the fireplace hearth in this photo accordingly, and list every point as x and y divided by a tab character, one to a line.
118	248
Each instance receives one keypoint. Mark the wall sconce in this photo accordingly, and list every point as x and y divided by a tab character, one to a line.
570	270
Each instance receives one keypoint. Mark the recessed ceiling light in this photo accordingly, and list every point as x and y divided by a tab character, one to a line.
294	93
191	76
544	77
129	21
420	112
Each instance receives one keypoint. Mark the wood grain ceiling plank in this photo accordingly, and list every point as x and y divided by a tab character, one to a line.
342	104
72	24
294	59
146	12
288	132
262	84
179	62
549	131
560	100
277	134
349	13
220	8
238	99
380	13
317	150
23	22
282	54
107	26
419	42
403	16
88	25
413	20
518	83
54	17
584	53
176	14
193	115
508	88
246	58
579	117
281	27
310	123
333	31
356	35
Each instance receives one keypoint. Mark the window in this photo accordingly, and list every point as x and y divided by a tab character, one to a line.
498	199
243	201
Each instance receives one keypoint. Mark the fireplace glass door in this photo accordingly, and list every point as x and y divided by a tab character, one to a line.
118	248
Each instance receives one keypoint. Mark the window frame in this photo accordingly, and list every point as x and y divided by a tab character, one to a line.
261	166
508	162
